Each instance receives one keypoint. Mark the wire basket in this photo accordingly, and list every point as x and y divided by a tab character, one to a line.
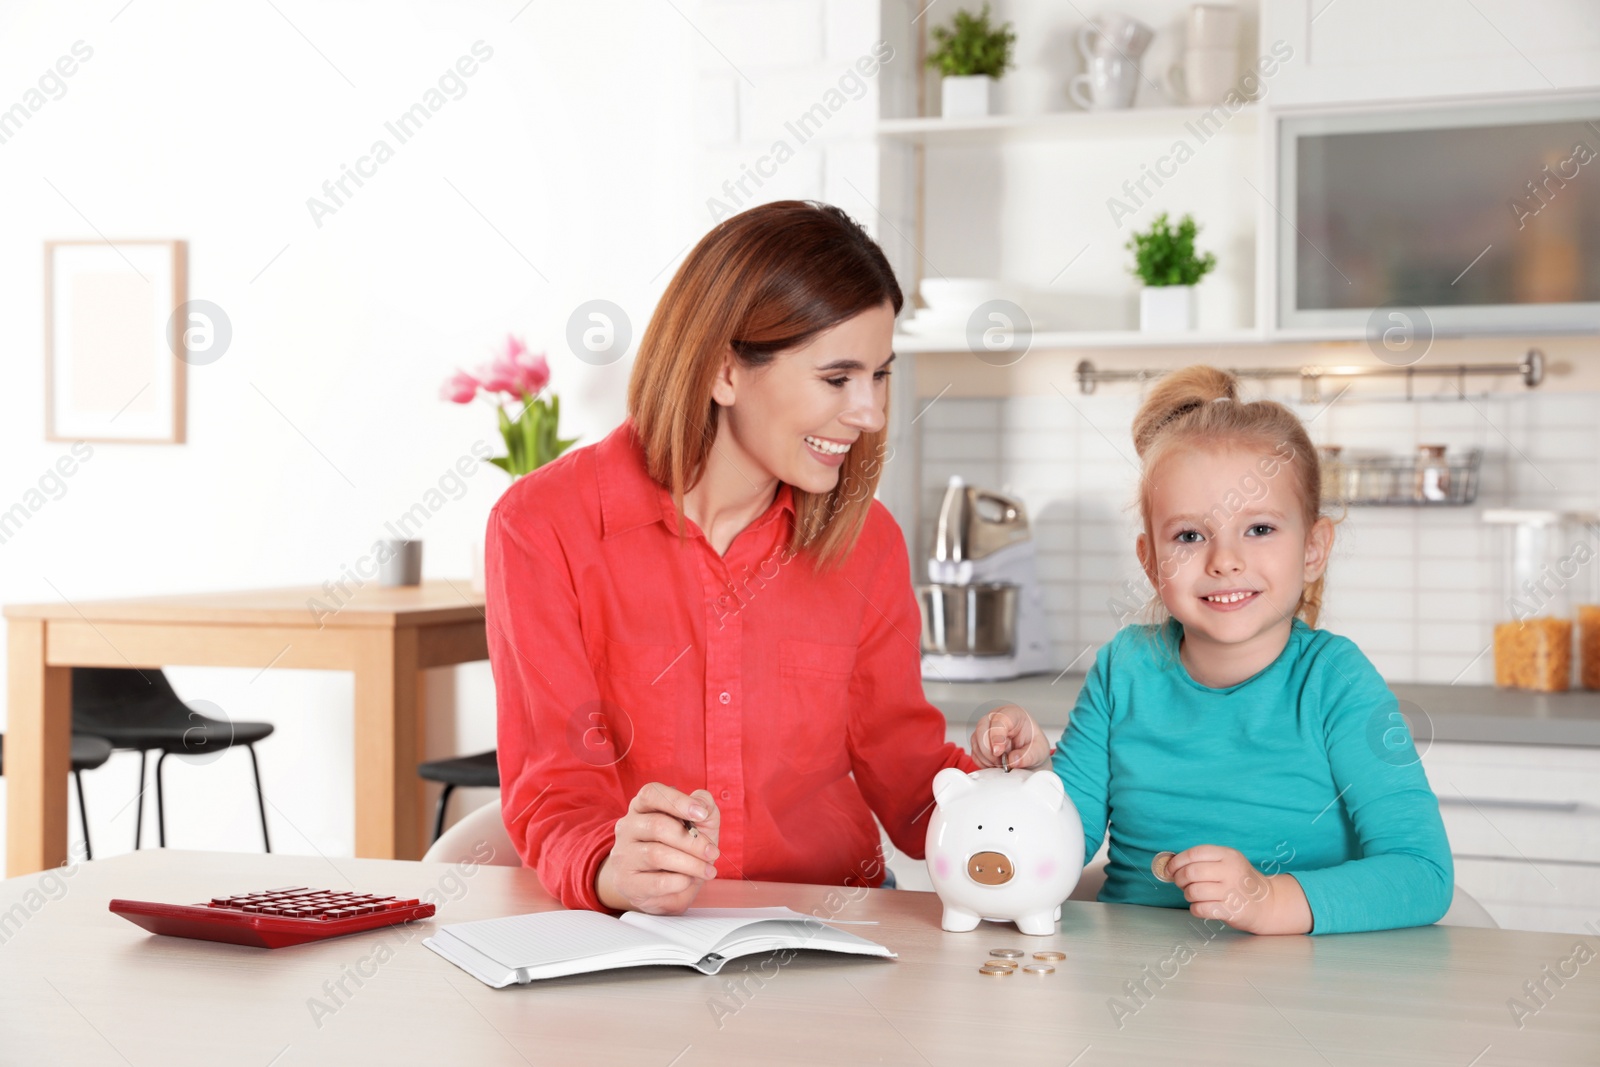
1387	481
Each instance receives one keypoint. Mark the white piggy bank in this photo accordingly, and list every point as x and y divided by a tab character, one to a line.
1003	846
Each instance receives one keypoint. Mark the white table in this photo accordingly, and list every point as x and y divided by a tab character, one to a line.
80	985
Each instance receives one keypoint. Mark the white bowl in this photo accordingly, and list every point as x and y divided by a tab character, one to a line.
967	293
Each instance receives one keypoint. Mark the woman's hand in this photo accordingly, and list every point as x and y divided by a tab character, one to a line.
1219	883
1011	732
658	865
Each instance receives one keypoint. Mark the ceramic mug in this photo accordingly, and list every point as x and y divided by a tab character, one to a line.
399	562
1213	26
1109	83
1205	76
1115	35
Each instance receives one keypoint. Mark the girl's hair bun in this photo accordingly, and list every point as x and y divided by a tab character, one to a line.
1177	394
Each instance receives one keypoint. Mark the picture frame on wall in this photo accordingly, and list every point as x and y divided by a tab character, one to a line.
113	366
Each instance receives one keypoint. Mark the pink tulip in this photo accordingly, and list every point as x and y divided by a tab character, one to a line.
535	373
498	377
460	388
515	371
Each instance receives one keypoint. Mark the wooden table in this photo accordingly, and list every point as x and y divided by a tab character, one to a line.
80	985
385	636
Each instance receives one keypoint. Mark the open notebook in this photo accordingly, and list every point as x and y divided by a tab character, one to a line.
550	944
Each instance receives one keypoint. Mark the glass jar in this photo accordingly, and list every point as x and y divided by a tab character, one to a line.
1589	646
1432	474
1548	567
1332	468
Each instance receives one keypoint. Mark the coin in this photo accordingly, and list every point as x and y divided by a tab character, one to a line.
1007	953
1003	965
996	971
1051	955
1039	968
1158	866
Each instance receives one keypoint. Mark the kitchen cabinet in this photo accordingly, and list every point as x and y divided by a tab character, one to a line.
1524	826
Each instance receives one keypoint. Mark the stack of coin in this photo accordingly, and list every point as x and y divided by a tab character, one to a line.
1002	961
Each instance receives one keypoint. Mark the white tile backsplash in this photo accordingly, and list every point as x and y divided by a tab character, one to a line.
1417	589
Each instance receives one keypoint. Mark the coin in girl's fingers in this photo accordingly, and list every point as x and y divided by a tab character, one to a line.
1159	865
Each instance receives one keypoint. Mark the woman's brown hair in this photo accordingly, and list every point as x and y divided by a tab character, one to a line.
1200	406
760	282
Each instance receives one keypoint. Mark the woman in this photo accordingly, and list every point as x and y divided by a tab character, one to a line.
703	631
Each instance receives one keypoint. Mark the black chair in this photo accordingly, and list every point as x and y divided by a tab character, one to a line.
87	754
137	710
473	771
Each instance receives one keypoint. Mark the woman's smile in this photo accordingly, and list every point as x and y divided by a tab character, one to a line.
828	451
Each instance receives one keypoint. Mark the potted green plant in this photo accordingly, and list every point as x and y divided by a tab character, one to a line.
971	55
1165	260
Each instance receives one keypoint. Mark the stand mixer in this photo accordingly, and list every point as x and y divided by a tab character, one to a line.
983	615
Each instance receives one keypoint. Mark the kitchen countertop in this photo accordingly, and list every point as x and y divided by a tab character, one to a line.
1473	713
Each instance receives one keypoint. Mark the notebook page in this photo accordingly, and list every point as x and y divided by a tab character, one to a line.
701	929
766	936
551	937
741	931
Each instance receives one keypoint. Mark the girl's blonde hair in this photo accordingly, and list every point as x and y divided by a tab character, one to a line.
1199	406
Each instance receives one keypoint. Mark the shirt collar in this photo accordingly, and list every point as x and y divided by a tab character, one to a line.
630	498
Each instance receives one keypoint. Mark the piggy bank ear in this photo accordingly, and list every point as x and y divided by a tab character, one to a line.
951	783
1045	787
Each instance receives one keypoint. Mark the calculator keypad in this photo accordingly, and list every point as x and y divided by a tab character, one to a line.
298	902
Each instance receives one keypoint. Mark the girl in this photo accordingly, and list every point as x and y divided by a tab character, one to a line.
1268	754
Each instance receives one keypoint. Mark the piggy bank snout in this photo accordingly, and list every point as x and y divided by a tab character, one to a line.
990	868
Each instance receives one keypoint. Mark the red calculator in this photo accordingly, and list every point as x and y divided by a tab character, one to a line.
274	918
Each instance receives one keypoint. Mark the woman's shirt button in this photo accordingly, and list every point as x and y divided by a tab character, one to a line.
727	794
723	696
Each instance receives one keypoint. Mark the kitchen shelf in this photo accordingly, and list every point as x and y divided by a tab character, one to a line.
1067	125
1075	339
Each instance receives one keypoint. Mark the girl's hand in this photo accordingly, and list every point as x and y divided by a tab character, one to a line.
658	865
1219	883
1012	732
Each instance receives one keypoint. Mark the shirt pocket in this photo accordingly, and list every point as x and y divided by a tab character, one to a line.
647	695
815	679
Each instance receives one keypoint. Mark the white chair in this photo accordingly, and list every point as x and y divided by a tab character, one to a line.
1464	910
464	841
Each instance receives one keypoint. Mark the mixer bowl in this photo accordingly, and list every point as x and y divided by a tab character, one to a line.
969	620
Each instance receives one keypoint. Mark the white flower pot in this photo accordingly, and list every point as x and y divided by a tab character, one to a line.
966	97
1166	308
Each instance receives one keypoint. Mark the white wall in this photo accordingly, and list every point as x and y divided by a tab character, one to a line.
577	165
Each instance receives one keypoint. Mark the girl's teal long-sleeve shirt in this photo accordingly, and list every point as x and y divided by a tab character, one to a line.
1306	768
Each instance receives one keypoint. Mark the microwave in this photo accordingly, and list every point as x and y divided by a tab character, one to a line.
1477	216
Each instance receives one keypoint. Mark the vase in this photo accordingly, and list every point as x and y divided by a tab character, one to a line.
1166	308
969	96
